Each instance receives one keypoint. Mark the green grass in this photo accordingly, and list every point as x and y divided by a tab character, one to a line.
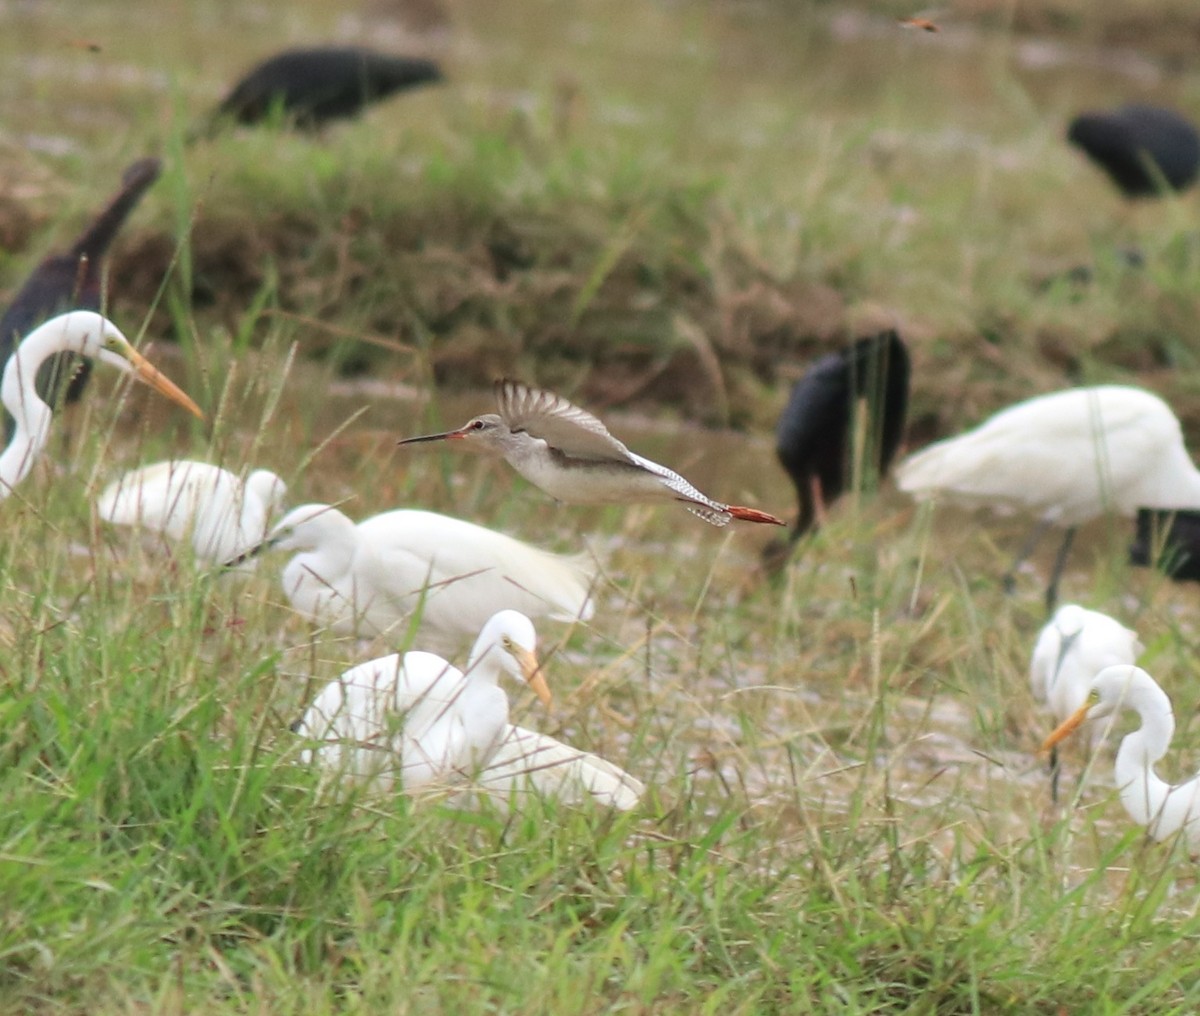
672	208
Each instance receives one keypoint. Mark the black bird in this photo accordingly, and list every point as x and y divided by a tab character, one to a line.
813	437
1141	148
313	86
71	281
1176	537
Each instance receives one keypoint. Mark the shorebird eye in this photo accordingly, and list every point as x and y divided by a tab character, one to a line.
476	425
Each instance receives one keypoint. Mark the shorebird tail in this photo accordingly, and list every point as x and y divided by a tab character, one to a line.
753	515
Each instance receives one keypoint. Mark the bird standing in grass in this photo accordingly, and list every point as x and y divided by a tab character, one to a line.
1165	809
1067	457
570	455
82	332
1071	650
1143	149
813	439
185	500
370	578
415	720
71	281
312	86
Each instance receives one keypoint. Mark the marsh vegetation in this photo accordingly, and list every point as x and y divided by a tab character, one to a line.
666	212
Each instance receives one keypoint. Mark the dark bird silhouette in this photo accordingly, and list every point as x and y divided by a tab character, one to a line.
313	86
1175	536
813	437
1142	148
71	281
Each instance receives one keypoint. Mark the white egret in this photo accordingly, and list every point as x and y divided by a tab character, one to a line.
1164	808
222	516
414	719
1067	457
570	455
371	577
88	334
1070	650
527	763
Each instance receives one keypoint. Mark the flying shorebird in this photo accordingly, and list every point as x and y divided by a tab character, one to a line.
571	455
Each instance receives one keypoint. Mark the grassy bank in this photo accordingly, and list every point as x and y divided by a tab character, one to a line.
668	209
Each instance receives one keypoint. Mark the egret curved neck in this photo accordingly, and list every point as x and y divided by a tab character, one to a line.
1143	793
30	414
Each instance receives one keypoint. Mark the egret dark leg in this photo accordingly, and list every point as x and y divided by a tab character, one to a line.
1060	562
1055	770
1027	548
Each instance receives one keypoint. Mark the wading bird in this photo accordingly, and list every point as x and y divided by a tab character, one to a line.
1071	650
1067	457
310	87
1143	149
71	281
414	719
1165	809
570	455
813	439
1169	540
196	501
83	332
368	579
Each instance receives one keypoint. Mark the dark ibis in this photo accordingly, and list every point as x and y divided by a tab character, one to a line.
71	281
1143	149
814	436
310	87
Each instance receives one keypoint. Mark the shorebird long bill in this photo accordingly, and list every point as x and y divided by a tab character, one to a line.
450	435
1068	726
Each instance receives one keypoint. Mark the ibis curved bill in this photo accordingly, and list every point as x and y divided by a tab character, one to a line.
570	454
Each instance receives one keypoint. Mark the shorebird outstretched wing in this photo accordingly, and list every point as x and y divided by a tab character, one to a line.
573	431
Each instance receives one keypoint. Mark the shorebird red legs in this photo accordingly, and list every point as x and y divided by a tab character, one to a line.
572	456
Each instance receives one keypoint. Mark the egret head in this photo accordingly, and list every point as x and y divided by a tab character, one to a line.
1109	690
512	634
1069	619
268	488
92	334
307	527
481	433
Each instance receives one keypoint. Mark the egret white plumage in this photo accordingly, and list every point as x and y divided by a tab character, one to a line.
88	334
570	455
371	577
1068	457
1165	809
414	719
222	516
527	763
1071	650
